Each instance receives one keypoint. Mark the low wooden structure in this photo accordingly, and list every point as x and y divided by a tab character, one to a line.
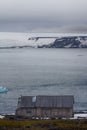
45	106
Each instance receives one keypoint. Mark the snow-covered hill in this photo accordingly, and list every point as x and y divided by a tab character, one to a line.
42	40
60	42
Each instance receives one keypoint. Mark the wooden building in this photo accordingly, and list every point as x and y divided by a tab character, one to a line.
45	106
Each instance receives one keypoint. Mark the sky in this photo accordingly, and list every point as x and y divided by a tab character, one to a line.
62	16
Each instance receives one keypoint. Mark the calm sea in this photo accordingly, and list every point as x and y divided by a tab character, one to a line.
43	72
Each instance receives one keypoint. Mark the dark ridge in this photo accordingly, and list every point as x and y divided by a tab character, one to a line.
71	42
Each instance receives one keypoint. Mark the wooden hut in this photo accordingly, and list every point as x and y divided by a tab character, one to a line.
45	106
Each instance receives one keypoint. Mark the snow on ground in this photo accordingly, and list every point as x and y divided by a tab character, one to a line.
80	116
13	39
76	116
45	41
1	117
8	39
83	42
21	39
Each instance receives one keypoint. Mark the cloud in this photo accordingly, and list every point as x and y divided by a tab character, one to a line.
63	29
43	9
80	28
59	15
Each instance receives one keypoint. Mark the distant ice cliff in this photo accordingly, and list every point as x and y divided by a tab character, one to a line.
60	42
42	40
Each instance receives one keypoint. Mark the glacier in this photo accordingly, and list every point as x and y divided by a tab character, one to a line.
42	40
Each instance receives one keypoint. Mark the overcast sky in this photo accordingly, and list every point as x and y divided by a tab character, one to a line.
43	16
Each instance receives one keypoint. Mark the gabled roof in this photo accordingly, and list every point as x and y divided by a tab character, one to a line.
46	101
26	101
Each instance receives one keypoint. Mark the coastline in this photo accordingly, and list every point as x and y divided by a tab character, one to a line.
77	115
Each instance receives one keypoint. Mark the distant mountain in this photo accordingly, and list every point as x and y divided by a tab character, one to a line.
60	42
42	40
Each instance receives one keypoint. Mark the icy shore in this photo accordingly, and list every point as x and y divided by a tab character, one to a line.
42	40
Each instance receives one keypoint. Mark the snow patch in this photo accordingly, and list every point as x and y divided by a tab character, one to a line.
40	39
80	115
1	117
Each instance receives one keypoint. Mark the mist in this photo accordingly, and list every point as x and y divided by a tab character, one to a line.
43	15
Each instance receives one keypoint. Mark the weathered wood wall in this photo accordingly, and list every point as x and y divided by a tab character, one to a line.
45	112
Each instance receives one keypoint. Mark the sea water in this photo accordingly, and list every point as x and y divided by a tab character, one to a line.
30	71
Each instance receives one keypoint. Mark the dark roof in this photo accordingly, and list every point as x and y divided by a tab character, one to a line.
46	101
25	101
